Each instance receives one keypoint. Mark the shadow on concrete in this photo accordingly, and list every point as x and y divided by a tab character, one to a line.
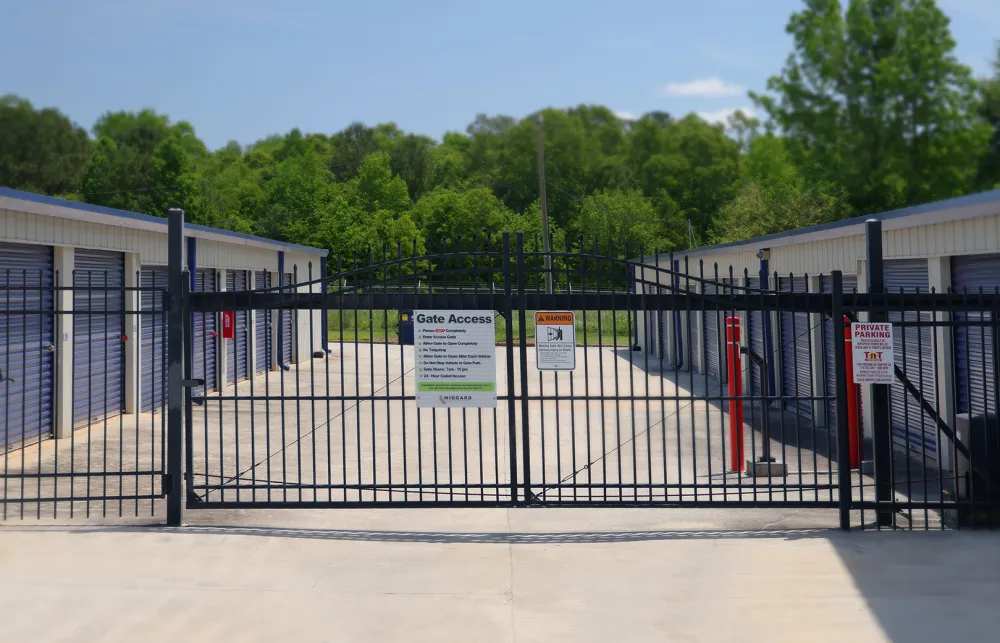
926	586
454	537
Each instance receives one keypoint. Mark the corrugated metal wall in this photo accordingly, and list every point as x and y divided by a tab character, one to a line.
238	358
914	353
26	362
98	346
153	338
974	355
796	356
262	327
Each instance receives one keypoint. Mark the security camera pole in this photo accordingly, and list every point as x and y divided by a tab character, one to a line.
545	206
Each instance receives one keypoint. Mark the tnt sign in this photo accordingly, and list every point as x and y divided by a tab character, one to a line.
874	362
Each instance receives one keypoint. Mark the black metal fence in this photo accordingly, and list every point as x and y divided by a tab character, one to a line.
81	405
692	387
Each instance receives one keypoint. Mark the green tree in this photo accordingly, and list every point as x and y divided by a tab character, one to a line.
173	175
774	196
40	150
874	100
620	219
447	214
989	169
410	159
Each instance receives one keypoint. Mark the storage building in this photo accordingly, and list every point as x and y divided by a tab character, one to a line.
65	362
948	245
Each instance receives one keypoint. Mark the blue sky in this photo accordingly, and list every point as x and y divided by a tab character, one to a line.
243	69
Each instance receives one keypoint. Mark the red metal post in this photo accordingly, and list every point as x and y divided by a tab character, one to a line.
853	415
736	458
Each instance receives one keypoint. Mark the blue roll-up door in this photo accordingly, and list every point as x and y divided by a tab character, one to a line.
653	347
755	331
98	346
796	356
262	327
909	424
205	340
713	339
287	326
153	337
691	341
237	357
26	343
974	356
830	341
661	319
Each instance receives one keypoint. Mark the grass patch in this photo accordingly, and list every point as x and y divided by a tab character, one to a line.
604	327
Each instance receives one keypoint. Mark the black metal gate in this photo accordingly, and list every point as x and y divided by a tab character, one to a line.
342	427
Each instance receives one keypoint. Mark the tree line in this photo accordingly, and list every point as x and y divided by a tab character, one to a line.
871	111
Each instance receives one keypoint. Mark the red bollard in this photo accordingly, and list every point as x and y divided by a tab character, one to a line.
853	417
736	459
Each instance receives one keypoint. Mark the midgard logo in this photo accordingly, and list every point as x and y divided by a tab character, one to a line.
454	398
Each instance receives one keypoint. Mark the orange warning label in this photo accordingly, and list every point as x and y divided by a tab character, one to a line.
554	318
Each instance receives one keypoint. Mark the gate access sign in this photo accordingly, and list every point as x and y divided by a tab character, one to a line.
874	362
455	358
555	341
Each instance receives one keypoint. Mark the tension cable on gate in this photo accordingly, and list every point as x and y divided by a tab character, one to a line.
689	402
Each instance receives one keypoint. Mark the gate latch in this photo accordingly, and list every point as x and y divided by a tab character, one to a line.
192	383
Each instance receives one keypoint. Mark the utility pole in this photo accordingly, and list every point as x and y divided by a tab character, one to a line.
545	207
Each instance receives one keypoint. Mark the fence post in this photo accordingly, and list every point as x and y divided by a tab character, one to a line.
522	334
736	457
175	366
844	451
508	298
881	429
853	416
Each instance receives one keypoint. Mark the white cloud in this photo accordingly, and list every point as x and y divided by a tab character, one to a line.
710	87
626	116
722	115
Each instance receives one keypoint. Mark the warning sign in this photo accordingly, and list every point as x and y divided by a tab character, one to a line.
555	341
871	344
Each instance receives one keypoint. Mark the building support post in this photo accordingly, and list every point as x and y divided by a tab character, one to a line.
133	328
64	260
939	276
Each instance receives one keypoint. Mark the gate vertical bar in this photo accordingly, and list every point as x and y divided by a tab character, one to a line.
509	345
840	393
188	334
881	432
522	333
175	365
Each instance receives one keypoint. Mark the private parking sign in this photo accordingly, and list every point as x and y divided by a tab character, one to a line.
874	362
555	341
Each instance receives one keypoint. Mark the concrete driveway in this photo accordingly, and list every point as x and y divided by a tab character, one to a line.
497	575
